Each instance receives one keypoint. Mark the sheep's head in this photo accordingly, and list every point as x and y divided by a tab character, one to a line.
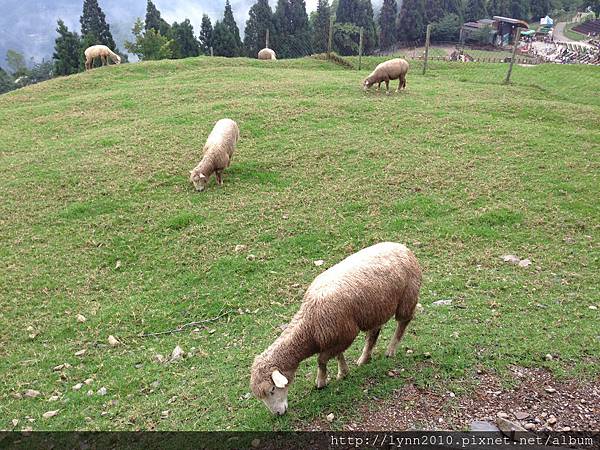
118	60
270	386
199	180
367	83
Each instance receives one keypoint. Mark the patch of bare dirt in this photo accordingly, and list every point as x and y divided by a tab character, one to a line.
539	402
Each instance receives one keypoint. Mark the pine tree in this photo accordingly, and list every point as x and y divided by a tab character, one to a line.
155	21
186	44
206	35
453	7
67	51
499	8
223	41
150	44
411	21
366	21
6	82
519	9
321	27
229	23
475	10
292	30
539	8
260	19
434	10
387	23
94	28
347	11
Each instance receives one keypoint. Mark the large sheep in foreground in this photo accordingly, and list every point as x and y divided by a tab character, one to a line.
361	293
386	71
266	53
218	152
102	52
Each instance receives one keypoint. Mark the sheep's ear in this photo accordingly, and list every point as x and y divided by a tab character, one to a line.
279	379
202	175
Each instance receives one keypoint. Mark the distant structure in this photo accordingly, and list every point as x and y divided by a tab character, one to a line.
501	30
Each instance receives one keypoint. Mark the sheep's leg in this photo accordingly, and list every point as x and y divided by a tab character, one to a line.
378	86
322	370
399	83
371	339
391	350
219	175
342	367
387	87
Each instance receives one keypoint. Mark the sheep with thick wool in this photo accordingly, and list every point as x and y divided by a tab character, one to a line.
217	154
389	70
361	293
102	52
266	54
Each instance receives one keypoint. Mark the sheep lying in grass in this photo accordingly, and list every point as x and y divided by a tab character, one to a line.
218	152
102	52
266	53
386	71
360	293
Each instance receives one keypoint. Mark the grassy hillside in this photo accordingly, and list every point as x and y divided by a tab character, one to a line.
97	218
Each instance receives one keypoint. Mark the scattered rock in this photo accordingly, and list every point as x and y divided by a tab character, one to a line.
524	263
502	415
165	414
247	395
80	352
118	264
113	341
61	367
566	429
552	420
155	384
53	398
49	414
159	358
30	329
101	391
442	302
319	262
240	248
81	318
251	257
593	307
31	393
481	425
77	386
550	390
507	427
409	352
177	353
15	422
88	381
90	393
529	426
330	417
548	357
521	415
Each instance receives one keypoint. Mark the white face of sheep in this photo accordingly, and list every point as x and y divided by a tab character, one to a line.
199	180
367	84
275	396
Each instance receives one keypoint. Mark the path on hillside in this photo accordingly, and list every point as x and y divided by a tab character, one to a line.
559	33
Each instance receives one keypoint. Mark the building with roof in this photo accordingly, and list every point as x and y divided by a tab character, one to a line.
498	31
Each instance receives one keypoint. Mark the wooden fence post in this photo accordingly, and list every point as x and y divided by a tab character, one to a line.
360	47
330	39
211	51
514	52
426	48
267	39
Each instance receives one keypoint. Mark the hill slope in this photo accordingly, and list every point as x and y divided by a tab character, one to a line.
98	218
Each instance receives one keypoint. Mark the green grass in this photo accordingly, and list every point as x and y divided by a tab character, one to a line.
98	218
572	34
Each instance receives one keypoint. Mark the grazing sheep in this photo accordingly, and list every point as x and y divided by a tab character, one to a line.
102	52
266	53
386	71
218	151
360	293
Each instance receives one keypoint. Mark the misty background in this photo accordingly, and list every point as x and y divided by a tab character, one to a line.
29	26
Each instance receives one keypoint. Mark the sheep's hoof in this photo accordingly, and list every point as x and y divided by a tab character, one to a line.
387	92
362	360
341	375
321	385
390	353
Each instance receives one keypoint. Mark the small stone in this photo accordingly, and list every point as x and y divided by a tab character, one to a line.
566	429
529	426
240	248
481	425
552	420
247	395
101	391
409	352
442	302
32	336
502	415
155	384
77	386
507	427
330	417
49	414
524	263
90	393
427	355
113	341
593	307
177	353
391	374
88	381
30	328
548	357
319	262
550	390
419	306
31	393
255	443
521	415
511	259
80	352
118	264
165	414
251	257
81	318
285	216
451	394
15	422
159	358
53	398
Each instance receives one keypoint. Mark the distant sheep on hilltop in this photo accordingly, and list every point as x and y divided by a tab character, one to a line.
266	53
102	52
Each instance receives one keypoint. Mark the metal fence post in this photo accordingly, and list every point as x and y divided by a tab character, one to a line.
426	48
514	52
360	47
